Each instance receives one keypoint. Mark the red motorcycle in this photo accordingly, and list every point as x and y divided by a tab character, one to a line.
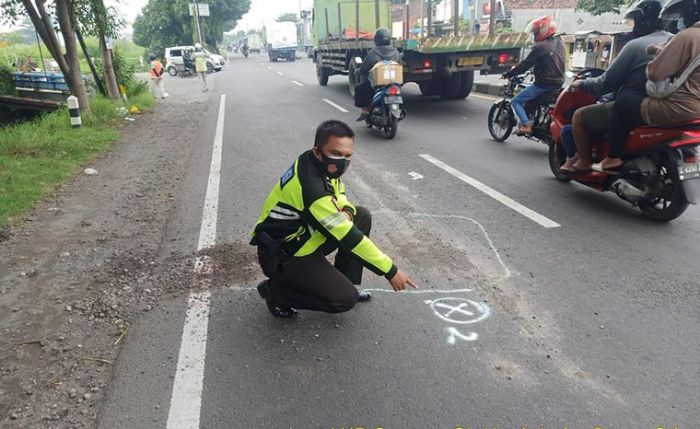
660	163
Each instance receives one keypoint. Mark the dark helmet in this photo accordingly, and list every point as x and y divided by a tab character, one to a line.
151	57
382	37
645	14
689	10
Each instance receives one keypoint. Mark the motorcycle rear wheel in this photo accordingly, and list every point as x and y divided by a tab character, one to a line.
557	157
672	203
391	128
496	128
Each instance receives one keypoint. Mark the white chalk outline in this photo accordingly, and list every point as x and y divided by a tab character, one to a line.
482	307
335	105
186	398
503	199
454	334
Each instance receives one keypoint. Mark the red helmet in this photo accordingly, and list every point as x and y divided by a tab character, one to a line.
542	28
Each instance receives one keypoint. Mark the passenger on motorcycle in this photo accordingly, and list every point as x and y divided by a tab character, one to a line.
678	101
548	59
626	76
383	51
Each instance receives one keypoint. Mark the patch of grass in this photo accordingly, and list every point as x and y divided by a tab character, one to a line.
37	155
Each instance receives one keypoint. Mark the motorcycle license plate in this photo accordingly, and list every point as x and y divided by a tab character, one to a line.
470	61
393	99
689	171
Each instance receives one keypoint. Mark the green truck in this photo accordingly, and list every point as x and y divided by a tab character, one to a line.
441	65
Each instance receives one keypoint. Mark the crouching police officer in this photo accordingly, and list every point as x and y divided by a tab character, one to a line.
307	216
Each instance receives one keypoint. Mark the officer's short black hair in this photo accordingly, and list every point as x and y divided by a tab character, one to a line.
330	129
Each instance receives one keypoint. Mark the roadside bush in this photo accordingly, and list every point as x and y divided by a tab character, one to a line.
126	75
7	81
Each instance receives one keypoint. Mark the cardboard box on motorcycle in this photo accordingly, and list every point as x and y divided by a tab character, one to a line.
386	72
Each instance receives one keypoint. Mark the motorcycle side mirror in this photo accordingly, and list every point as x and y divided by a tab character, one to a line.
357	60
570	74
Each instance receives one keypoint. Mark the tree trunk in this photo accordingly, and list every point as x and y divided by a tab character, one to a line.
110	76
91	64
74	78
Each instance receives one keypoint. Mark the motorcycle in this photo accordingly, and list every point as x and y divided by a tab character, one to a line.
659	163
502	118
387	107
245	51
186	69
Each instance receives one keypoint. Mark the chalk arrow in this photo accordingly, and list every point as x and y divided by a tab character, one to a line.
415	176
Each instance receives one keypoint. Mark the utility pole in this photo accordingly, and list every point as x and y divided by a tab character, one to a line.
455	16
430	16
196	17
492	18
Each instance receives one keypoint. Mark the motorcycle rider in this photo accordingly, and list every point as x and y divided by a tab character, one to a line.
382	51
548	59
671	61
627	77
244	49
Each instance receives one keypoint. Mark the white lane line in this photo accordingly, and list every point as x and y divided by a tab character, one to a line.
507	201
186	399
335	105
280	73
299	84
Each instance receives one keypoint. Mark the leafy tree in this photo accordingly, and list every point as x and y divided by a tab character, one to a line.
164	23
288	17
599	7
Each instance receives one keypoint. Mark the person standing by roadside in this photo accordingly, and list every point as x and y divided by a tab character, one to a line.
200	65
156	73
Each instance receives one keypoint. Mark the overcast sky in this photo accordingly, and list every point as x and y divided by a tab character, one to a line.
261	11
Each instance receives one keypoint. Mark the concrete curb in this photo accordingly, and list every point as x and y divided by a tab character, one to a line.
488	88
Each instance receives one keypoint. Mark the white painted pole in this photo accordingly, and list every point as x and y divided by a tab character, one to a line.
74	111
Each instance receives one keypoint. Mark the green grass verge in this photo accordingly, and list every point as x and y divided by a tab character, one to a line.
36	156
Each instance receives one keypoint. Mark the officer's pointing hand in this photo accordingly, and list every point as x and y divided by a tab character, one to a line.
401	280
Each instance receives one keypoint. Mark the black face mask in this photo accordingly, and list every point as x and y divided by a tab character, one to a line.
341	164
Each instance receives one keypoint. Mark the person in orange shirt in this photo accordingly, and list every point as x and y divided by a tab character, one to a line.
156	73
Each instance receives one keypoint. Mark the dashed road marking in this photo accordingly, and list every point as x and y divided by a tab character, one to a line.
507	201
299	84
186	399
280	73
484	97
335	105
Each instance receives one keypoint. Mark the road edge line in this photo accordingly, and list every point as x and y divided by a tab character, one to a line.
186	397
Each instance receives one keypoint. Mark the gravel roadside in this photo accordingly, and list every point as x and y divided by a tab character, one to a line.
78	268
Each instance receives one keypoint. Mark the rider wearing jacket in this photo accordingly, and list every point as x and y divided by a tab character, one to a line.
671	61
625	76
548	59
383	51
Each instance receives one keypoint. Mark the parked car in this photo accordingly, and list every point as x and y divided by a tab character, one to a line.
216	58
174	60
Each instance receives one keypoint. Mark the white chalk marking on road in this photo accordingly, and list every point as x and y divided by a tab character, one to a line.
454	334
335	105
269	68
506	270
280	73
507	201
465	311
186	399
415	176
299	84
411	292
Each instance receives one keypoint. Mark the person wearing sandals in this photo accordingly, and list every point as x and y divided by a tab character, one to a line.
626	76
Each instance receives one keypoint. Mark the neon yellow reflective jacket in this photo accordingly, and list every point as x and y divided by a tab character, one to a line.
303	211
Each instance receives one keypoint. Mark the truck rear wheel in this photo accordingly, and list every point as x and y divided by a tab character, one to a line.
427	88
466	87
322	73
449	87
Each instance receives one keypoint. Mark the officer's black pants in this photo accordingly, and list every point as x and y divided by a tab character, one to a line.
312	283
363	94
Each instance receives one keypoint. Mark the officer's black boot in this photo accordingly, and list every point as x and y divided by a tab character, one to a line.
364	296
275	309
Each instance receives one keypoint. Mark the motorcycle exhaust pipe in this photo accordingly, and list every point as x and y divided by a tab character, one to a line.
627	191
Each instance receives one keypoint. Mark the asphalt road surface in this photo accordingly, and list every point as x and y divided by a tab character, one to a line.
541	304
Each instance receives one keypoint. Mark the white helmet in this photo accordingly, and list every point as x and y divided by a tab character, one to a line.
198	46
